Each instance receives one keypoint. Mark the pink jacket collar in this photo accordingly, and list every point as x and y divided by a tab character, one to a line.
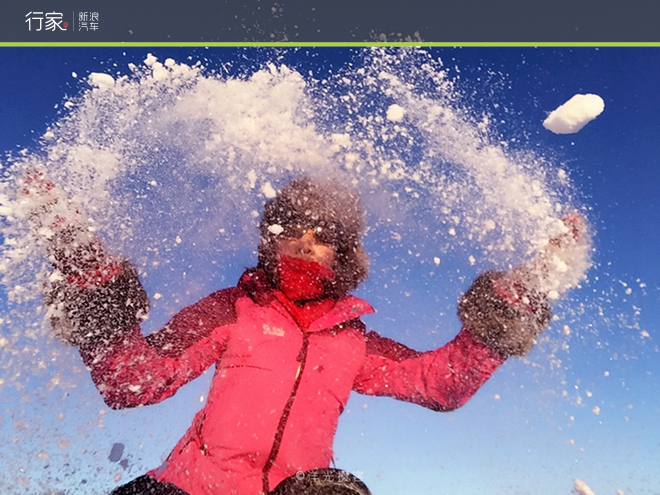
255	282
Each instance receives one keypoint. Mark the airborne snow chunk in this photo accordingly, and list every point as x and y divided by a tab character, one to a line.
275	229
573	115
395	113
116	452
101	81
582	488
268	190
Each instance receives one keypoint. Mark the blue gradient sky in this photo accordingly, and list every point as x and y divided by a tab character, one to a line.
532	438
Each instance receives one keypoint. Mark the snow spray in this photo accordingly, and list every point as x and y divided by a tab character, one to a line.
171	164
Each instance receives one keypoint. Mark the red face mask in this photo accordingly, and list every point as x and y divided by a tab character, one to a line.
301	280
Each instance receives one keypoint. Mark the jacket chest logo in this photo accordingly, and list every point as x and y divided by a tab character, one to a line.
276	331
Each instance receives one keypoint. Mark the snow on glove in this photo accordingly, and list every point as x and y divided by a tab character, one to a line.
495	313
88	315
507	311
92	297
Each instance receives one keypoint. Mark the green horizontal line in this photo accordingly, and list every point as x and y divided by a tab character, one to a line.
330	44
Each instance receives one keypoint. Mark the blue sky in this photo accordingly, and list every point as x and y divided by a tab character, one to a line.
532	428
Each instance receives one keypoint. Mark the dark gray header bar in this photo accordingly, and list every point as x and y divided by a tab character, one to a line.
456	21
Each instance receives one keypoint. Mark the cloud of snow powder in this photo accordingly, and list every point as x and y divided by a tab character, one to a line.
172	165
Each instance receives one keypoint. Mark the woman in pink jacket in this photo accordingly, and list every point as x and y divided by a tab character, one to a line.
287	343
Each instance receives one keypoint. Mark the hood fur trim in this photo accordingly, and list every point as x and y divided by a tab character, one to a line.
309	200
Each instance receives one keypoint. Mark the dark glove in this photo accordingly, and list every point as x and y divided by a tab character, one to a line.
91	308
504	314
92	297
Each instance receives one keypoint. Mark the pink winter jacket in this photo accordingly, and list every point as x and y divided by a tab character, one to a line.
278	391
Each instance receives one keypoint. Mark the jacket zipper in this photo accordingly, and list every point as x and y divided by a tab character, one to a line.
277	441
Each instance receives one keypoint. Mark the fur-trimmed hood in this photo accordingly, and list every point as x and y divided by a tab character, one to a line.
309	201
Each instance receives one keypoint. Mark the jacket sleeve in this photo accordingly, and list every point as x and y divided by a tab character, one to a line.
134	370
443	379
